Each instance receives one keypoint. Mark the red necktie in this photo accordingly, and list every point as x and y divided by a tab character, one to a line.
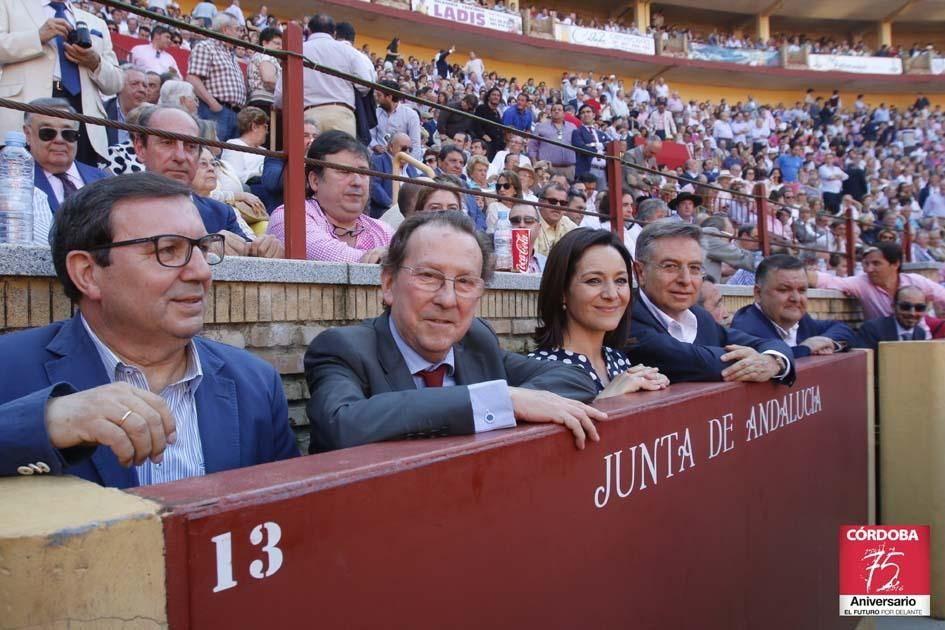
433	378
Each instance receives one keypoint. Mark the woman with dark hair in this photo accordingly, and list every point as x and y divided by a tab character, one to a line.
584	307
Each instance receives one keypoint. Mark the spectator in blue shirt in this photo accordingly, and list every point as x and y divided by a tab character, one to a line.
790	165
519	116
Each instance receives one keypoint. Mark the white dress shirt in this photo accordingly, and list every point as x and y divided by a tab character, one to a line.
320	88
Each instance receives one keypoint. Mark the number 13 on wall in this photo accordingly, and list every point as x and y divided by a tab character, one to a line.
258	568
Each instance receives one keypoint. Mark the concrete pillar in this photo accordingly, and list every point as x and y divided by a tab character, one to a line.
884	33
76	555
641	14
762	27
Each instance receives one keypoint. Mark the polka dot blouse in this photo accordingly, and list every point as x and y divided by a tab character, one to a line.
615	360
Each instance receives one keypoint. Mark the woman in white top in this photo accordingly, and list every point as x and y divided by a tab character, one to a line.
254	129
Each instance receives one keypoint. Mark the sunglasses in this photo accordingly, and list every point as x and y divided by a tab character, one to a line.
504	186
47	134
523	220
909	306
555	202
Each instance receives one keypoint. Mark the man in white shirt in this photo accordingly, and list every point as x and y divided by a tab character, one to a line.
237	13
831	183
393	117
328	99
475	66
680	338
154	57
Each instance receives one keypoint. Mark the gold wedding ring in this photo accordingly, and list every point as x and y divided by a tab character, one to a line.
123	418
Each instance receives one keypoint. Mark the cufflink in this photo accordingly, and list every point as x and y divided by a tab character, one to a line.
38	468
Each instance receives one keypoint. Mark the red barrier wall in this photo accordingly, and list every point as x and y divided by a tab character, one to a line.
514	529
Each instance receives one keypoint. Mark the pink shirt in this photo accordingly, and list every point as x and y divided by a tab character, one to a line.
874	300
320	240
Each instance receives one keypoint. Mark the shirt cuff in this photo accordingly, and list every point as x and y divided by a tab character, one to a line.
491	406
786	362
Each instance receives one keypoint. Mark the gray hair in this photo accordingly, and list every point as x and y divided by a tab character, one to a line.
173	90
648	209
220	20
665	229
51	103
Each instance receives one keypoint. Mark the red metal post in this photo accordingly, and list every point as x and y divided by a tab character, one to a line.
761	201
906	243
293	144
851	242
615	187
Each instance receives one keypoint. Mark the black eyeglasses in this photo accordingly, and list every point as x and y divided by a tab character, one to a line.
174	250
523	220
504	186
556	202
909	306
47	134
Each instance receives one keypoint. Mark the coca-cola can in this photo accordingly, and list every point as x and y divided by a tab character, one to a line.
521	246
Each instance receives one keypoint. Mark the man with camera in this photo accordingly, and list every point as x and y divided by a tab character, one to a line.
68	56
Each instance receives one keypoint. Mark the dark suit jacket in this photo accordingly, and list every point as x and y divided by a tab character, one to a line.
883	329
751	320
111	110
217	215
88	174
362	391
241	406
582	138
651	344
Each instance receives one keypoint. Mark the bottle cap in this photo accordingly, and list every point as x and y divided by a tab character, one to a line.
15	138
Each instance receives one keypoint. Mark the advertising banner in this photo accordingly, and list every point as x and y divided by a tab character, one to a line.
612	40
862	65
744	56
471	14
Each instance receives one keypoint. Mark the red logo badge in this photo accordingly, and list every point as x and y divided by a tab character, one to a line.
884	570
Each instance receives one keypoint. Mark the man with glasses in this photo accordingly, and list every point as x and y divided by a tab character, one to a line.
554	223
680	338
907	323
427	367
53	143
125	393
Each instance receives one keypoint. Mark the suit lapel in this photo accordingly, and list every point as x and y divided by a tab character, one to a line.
36	12
42	182
218	414
79	365
892	331
644	315
917	333
392	362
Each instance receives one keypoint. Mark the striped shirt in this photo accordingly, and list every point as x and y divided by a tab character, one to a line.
184	458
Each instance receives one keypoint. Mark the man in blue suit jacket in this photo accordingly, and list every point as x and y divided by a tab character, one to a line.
670	332
53	144
125	393
381	187
780	311
589	138
905	324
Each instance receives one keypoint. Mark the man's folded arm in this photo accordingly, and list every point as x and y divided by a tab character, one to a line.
774	347
680	361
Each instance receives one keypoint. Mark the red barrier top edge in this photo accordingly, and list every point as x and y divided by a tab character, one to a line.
268	482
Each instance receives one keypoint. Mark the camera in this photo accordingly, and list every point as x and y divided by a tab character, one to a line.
80	36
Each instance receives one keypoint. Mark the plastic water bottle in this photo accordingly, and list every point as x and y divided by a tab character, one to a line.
16	190
502	240
857	268
758	256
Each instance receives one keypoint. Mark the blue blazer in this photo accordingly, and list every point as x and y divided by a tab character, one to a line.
382	188
111	111
751	320
270	189
88	174
217	215
883	329
241	406
651	344
583	138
